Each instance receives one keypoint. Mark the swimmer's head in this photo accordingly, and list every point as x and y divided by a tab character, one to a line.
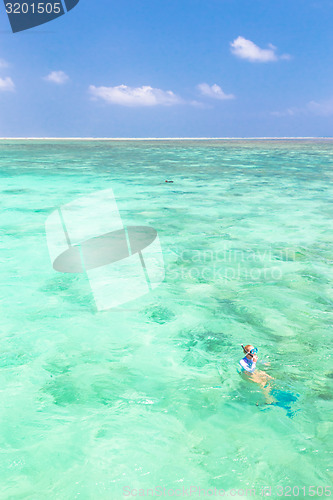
251	352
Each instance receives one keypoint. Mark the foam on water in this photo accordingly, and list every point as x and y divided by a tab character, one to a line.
149	395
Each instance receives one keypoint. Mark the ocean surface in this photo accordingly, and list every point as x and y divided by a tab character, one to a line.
103	404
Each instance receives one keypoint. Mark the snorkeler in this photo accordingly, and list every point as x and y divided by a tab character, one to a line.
273	396
249	364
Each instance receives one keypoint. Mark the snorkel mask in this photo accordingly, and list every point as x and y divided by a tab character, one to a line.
252	352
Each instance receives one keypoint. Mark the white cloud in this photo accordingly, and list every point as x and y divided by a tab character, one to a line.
285	57
286	112
135	96
6	84
320	108
323	108
58	77
214	91
245	49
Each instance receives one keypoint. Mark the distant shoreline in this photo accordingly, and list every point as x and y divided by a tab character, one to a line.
163	138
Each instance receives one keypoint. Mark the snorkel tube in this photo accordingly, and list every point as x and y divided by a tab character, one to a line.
252	352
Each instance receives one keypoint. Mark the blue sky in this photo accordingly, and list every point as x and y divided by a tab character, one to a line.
176	68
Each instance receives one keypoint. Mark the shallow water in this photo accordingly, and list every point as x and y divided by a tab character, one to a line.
149	395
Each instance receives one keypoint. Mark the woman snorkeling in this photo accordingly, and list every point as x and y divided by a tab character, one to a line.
249	369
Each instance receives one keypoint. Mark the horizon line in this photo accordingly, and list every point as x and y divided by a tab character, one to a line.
161	138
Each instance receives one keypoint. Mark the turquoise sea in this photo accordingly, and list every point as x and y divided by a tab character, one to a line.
100	405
